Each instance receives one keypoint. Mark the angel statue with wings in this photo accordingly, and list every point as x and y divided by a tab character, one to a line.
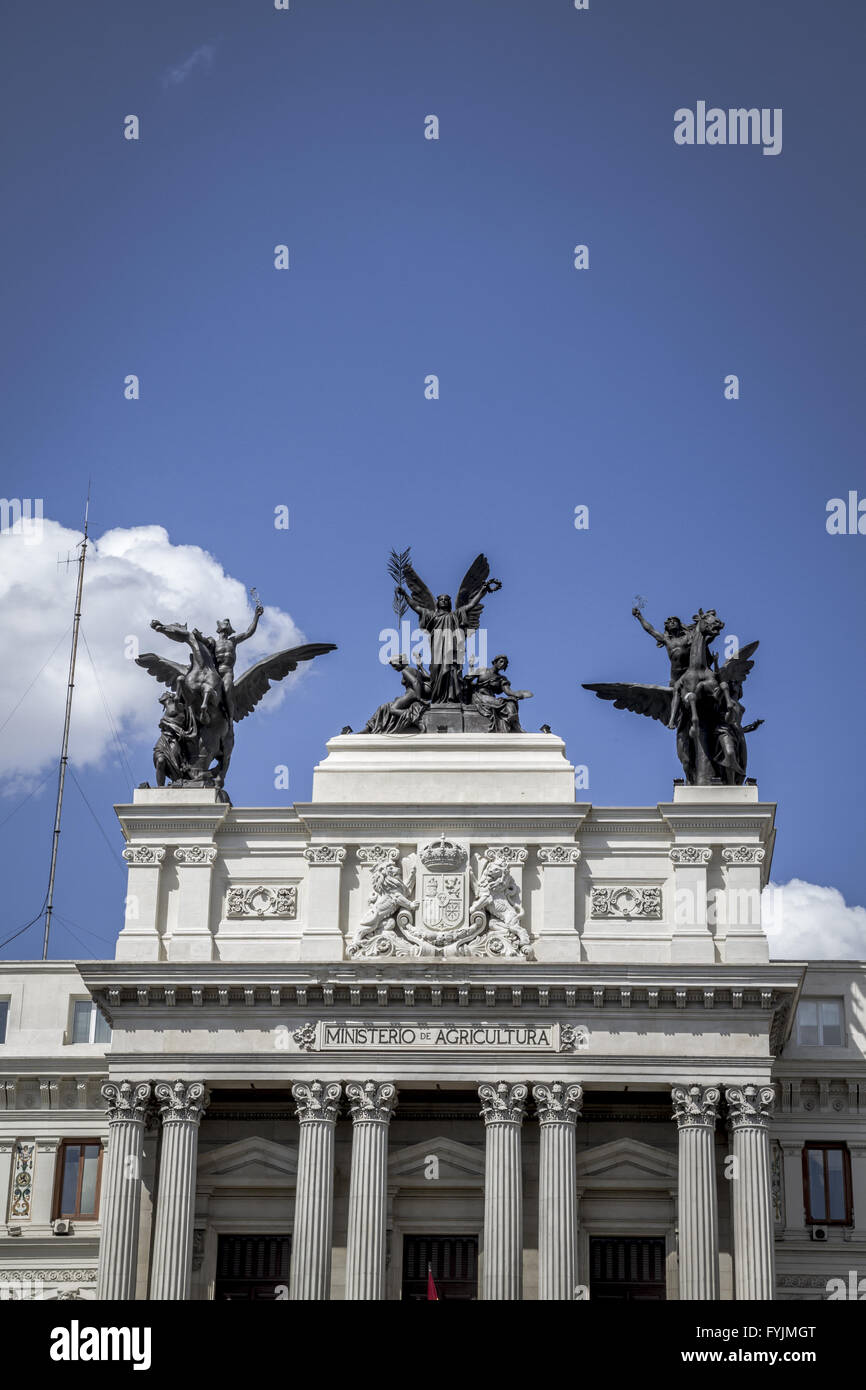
197	728
702	702
447	626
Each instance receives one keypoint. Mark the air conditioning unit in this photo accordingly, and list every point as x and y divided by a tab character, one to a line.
61	1228
818	1232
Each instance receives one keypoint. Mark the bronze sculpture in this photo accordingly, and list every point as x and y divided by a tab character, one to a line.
204	702
702	702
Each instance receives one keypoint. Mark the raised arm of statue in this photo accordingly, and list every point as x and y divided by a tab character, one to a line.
648	627
242	636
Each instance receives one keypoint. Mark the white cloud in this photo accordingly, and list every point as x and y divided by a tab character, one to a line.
130	577
805	921
201	56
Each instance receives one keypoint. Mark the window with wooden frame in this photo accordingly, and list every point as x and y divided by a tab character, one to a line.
827	1185
78	1179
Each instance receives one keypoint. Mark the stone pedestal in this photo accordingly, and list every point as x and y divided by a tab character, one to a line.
695	1111
181	1106
121	1189
372	1105
318	1107
503	1107
749	1108
558	1105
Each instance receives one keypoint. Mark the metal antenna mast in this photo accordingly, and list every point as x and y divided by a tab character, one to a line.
64	751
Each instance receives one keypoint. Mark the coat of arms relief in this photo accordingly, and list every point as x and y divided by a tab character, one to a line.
438	907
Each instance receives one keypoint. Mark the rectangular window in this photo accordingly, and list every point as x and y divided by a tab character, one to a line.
827	1184
819	1023
88	1024
4	1018
79	1166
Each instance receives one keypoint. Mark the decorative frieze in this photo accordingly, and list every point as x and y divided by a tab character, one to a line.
322	855
625	902
744	855
558	854
685	855
140	856
22	1180
262	900
53	1275
201	856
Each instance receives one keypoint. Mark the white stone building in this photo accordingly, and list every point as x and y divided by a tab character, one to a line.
442	1019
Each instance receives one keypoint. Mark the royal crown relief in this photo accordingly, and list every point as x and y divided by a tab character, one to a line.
439	907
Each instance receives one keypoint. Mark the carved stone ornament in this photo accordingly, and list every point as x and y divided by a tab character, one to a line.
22	1180
573	1037
126	1100
317	1100
626	901
378	854
324	854
558	1103
744	854
198	1236
695	1105
201	855
684	855
305	1037
140	855
371	1100
558	854
262	901
180	1101
503	1102
749	1107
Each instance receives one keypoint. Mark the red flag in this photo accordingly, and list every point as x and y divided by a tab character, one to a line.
432	1291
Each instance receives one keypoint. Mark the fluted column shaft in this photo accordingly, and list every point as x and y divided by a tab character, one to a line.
749	1108
372	1105
181	1107
558	1108
318	1106
503	1107
121	1188
695	1111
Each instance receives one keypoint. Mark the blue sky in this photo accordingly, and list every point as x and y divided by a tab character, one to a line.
305	388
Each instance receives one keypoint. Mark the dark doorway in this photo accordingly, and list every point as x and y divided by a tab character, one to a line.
627	1269
252	1268
452	1260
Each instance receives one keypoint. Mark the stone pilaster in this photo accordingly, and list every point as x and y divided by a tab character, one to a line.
749	1109
181	1106
371	1106
120	1202
695	1111
322	937
692	941
558	1105
318	1104
503	1107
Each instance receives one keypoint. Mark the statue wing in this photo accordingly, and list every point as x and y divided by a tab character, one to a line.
651	700
162	667
256	682
475	576
421	595
737	667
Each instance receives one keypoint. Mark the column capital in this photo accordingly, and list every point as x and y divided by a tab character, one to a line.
686	856
503	1101
558	1102
317	1100
749	1107
695	1105
743	856
371	1100
126	1100
180	1101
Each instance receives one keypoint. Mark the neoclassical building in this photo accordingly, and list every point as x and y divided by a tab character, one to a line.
444	1019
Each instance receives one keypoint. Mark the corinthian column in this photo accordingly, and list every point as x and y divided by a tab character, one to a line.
371	1106
503	1107
558	1108
695	1111
181	1106
749	1108
318	1105
121	1188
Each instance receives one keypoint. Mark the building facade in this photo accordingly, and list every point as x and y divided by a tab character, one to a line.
442	1020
